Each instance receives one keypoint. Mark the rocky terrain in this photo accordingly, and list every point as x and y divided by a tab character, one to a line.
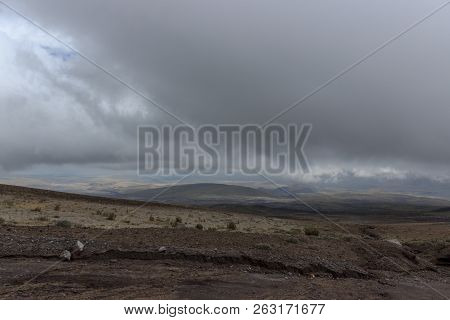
65	246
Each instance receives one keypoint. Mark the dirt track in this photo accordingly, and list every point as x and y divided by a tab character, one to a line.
128	264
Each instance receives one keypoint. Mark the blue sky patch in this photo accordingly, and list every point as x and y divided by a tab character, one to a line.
59	53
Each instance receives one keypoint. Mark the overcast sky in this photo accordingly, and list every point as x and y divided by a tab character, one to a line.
234	61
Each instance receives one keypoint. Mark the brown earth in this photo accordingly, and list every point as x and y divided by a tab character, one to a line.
263	258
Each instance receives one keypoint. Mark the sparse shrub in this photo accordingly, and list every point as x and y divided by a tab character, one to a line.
99	212
111	216
41	218
63	224
8	203
348	238
2	221
173	224
178	220
231	225
212	229
263	246
37	209
295	231
126	221
199	226
311	231
151	218
57	207
56	217
292	240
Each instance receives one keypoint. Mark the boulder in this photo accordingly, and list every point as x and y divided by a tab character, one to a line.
79	246
66	255
394	241
162	249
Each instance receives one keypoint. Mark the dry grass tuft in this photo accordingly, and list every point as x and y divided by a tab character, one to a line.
311	231
231	226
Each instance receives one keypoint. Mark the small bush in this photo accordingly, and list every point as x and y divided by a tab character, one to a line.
311	231
263	246
199	226
63	224
41	218
57	207
295	231
173	224
178	220
151	218
348	238
8	203
37	209
99	212
212	229
231	225
111	216
2	221
292	240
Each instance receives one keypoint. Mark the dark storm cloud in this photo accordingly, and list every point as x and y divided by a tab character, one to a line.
245	61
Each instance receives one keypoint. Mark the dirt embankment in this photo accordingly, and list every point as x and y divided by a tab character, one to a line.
201	259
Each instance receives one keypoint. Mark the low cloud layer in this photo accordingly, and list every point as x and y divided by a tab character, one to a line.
226	62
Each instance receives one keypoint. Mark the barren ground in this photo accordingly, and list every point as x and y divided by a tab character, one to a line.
205	257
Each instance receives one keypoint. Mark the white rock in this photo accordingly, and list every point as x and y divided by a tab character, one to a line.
79	246
395	241
66	255
162	249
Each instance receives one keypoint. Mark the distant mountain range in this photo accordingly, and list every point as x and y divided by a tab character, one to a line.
276	202
358	197
189	193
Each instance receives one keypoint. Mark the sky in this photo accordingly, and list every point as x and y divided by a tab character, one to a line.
215	62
